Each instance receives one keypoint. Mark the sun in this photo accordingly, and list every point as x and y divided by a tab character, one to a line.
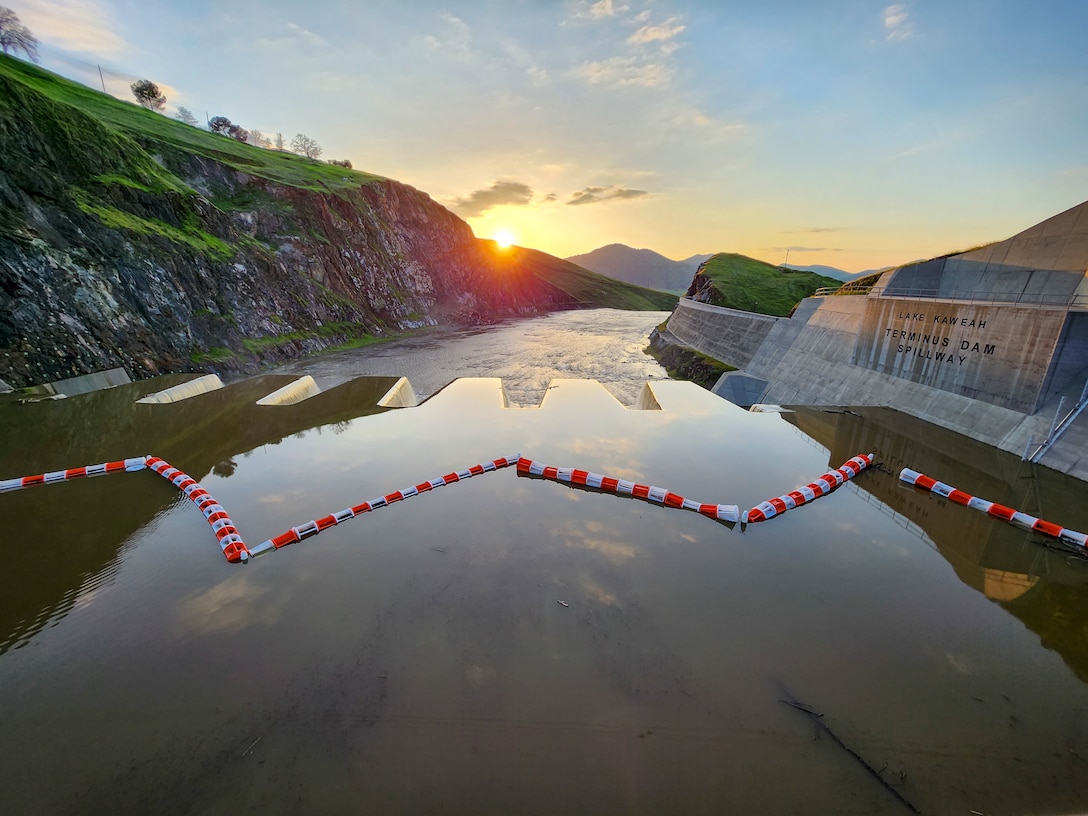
504	238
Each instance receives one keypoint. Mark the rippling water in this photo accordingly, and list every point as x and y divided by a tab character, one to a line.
602	344
418	659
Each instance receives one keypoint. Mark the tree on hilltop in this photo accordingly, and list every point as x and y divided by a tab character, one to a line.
16	37
220	125
259	139
225	127
185	115
147	93
306	146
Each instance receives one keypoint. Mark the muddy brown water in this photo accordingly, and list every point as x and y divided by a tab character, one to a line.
418	659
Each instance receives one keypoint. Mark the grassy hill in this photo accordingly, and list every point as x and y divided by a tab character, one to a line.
109	145
586	287
129	239
146	126
739	282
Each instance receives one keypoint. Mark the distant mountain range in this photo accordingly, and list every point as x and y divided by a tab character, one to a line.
645	267
833	272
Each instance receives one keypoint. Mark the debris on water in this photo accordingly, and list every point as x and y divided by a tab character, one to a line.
563	604
252	745
823	727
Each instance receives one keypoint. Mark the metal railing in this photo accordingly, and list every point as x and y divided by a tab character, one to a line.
1020	298
1057	427
825	291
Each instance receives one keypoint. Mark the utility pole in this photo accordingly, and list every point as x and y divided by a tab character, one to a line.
101	79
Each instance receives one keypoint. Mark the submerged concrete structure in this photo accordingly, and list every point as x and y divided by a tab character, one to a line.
992	343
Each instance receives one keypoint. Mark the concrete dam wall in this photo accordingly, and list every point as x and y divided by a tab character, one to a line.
986	343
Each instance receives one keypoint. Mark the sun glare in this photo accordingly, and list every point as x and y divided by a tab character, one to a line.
504	238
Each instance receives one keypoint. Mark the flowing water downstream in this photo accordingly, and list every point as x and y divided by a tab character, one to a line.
509	644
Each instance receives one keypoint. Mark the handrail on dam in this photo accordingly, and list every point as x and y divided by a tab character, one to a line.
975	296
825	291
962	295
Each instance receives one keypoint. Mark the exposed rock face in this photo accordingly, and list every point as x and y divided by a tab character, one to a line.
109	258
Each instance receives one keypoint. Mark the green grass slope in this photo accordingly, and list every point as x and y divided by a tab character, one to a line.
739	282
587	287
146	126
106	150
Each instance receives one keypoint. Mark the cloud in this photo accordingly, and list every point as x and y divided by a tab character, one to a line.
813	229
656	33
897	23
458	36
550	197
296	37
597	10
595	195
74	25
307	36
499	194
538	76
620	72
641	59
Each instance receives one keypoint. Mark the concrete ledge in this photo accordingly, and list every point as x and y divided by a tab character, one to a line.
301	389
647	399
193	388
401	395
579	395
740	388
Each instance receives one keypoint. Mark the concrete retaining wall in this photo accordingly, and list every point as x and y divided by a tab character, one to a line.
997	354
728	335
985	343
1043	264
840	351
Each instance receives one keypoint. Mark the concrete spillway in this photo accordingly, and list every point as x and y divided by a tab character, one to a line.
986	343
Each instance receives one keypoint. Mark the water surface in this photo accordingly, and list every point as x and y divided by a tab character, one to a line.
417	659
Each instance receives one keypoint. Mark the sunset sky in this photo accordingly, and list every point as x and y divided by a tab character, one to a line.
856	134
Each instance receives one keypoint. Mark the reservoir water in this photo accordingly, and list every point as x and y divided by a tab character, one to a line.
509	644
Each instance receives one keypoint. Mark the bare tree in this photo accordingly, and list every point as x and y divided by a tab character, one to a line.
306	146
341	163
147	94
185	115
16	37
259	139
279	143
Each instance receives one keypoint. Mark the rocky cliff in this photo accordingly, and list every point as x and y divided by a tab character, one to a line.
128	239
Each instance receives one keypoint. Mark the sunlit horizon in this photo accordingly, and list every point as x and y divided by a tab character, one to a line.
858	136
504	238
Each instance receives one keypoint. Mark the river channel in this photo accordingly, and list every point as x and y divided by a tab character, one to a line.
507	644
